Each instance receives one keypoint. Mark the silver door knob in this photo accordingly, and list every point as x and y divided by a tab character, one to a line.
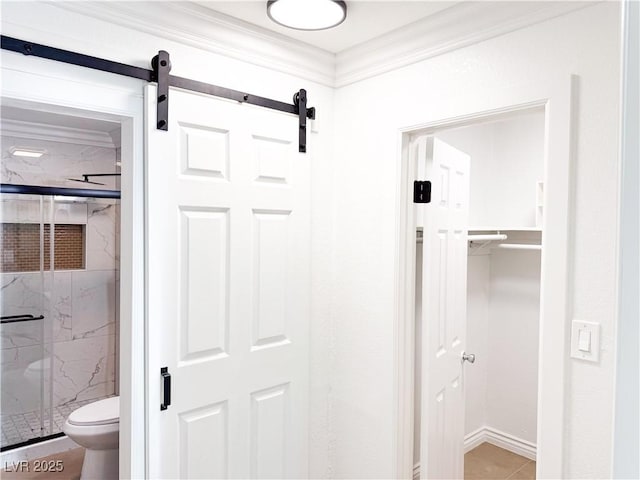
468	357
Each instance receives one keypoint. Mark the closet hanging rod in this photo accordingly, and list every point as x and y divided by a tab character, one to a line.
160	74
518	246
486	238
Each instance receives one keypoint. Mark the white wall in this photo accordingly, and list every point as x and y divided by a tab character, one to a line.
49	24
503	312
367	154
506	162
512	343
626	463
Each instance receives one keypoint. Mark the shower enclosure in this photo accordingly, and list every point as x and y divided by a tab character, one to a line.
58	303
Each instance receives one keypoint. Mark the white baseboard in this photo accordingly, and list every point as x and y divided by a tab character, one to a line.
500	439
494	437
38	450
475	438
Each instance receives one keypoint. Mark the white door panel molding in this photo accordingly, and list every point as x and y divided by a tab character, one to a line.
228	272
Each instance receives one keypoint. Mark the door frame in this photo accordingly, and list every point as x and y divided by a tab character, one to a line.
557	99
60	88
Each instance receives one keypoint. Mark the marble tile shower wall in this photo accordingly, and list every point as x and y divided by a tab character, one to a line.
80	306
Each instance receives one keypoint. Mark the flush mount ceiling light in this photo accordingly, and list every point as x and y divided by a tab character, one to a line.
27	152
307	14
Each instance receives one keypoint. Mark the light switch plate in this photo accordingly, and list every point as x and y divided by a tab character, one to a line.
590	330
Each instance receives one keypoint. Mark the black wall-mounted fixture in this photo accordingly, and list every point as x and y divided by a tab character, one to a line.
422	191
86	176
160	74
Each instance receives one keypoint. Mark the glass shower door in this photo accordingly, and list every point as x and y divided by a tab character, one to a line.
25	331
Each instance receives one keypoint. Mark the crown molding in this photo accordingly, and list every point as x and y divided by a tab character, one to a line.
461	25
55	133
203	28
116	137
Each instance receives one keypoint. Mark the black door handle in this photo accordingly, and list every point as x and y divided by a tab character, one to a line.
20	318
166	388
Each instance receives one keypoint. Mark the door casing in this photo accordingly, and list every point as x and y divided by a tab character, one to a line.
556	97
60	88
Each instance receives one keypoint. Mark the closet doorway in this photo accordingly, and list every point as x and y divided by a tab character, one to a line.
477	312
485	225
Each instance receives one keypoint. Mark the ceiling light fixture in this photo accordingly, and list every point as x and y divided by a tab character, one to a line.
307	14
27	152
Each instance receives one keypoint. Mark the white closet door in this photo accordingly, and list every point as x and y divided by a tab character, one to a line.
228	290
444	277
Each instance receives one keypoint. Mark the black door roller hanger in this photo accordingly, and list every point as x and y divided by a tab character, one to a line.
161	66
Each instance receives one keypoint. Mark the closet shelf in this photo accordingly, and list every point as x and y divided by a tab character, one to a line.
486	238
518	246
504	229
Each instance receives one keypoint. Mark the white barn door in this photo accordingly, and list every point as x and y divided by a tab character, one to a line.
228	290
444	299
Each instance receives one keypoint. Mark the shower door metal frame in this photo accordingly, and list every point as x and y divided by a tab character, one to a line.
58	191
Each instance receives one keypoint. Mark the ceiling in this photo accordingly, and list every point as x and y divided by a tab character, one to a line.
27	123
378	36
366	19
57	119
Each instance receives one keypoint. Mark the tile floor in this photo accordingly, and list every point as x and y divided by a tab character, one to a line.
488	462
20	427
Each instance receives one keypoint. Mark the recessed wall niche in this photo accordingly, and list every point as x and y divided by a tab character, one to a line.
21	247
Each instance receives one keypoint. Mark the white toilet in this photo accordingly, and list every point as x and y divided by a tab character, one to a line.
96	427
